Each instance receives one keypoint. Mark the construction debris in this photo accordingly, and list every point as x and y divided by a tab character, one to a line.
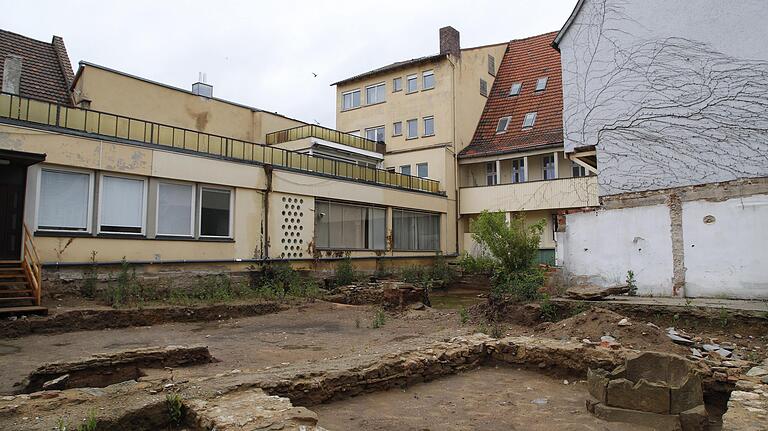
595	293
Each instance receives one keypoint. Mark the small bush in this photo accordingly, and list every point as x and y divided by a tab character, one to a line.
463	315
522	285
345	272
631	283
175	408
440	271
379	319
476	265
548	310
88	290
497	331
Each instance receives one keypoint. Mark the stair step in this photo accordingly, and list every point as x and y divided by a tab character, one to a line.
13	283
23	310
17	298
10	262
11	275
8	292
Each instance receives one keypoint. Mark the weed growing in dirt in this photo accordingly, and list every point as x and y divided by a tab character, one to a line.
579	308
476	265
723	317
548	310
631	283
357	323
463	315
122	291
88	290
379	319
482	328
89	424
345	272
175	408
440	271
497	331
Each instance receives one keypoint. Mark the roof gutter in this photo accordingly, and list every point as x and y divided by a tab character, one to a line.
512	151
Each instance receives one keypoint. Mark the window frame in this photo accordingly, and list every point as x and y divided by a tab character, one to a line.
370	242
191	209
581	169
424	76
432	118
408	128
519	86
395	87
408	79
506	120
431	214
528	115
90	200
483	87
541	82
376	91
376	128
426	166
357	90
545	168
395	126
145	203
518	168
491	65
199	230
490	172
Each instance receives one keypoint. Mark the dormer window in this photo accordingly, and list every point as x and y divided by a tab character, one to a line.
501	127
530	119
541	84
514	90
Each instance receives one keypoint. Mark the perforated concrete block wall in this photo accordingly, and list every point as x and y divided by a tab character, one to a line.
292	226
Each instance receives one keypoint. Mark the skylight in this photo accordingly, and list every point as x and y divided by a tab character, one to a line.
541	83
530	119
515	89
502	126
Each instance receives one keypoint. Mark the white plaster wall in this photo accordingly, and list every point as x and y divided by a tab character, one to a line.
728	257
672	93
603	245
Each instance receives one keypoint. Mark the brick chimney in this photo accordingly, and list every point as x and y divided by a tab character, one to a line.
12	74
449	41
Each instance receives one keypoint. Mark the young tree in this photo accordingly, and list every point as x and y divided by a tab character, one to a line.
511	243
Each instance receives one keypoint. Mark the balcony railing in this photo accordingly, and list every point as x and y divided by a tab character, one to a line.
116	126
313	131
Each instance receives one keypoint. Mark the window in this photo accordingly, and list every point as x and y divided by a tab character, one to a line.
122	205
375	134
413	129
577	170
349	226
429	126
397	128
548	163
215	212
483	87
422	170
415	231
514	90
501	127
375	93
428	80
405	169
491	65
490	174
411	84
541	84
350	100
518	170
64	201
397	84
529	120
175	209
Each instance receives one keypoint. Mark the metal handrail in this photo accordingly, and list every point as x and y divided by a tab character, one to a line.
117	126
320	132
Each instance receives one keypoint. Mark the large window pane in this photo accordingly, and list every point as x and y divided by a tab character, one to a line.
350	227
64	200
174	209
214	212
415	231
122	205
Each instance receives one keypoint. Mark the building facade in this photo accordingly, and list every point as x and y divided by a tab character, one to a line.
516	162
667	102
424	111
110	167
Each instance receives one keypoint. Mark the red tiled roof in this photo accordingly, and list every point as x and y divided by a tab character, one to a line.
525	61
46	72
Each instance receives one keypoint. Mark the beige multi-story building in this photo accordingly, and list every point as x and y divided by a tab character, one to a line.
423	111
112	167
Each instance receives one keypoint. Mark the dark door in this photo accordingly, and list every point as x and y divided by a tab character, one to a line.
13	180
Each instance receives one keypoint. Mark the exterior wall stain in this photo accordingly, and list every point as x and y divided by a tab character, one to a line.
678	245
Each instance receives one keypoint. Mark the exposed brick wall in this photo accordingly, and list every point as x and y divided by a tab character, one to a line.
449	41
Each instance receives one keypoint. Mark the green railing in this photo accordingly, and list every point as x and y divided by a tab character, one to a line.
117	126
313	131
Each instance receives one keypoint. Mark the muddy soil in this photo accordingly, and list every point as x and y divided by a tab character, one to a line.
485	399
313	332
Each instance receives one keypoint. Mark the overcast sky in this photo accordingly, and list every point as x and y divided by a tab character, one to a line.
264	53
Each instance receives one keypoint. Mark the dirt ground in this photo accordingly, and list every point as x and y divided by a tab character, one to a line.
313	332
484	399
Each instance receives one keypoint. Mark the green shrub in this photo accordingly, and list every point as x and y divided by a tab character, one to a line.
463	315
345	272
175	408
88	290
631	283
439	271
476	265
548	310
522	285
379	319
